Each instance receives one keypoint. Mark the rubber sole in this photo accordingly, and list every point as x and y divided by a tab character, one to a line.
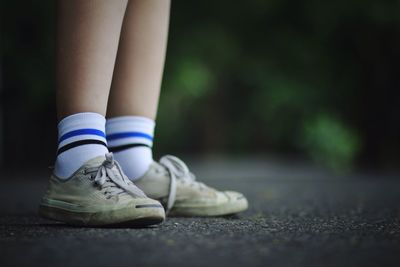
117	218
226	209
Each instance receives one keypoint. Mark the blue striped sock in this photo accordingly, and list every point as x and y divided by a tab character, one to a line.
81	138
130	138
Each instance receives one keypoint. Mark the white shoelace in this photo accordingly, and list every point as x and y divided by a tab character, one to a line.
110	176
177	170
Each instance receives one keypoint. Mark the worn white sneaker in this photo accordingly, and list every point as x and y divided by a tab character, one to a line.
99	194
171	182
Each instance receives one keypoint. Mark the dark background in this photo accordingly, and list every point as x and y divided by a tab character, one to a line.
314	80
266	85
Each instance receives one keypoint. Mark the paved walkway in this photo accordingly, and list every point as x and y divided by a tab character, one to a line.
298	217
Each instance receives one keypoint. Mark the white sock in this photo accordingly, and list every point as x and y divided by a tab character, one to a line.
81	137
130	138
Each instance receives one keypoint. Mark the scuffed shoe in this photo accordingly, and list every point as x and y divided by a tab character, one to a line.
171	182
99	194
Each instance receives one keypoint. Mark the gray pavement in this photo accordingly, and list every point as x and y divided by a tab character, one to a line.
299	216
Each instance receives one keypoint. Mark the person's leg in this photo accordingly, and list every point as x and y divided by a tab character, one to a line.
87	41
131	112
135	89
88	187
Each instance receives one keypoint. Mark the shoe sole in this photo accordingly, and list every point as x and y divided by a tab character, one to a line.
229	208
147	216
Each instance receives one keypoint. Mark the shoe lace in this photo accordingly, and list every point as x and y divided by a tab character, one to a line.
178	170
110	177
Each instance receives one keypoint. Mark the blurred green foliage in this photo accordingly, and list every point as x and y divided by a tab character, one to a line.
283	77
329	142
309	78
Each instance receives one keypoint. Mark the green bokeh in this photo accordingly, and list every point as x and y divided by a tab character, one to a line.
305	78
329	142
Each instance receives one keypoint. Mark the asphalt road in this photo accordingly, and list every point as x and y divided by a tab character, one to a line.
298	217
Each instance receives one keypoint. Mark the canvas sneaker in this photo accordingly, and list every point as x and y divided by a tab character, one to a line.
99	194
171	182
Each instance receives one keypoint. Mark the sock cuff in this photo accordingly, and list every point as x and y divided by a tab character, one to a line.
81	126
126	130
136	119
84	120
81	137
130	124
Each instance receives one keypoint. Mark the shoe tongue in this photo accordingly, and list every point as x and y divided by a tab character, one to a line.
97	161
157	165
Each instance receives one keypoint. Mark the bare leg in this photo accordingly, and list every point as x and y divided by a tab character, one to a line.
140	61
135	89
88	35
88	39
